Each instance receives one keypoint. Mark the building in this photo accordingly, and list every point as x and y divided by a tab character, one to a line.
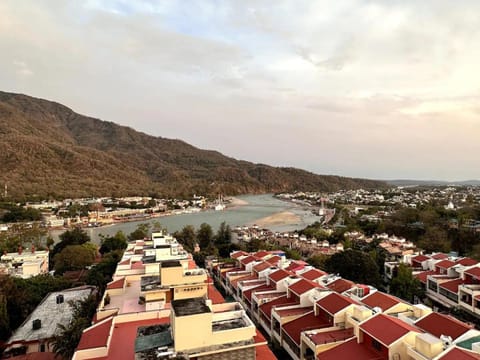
36	332
23	263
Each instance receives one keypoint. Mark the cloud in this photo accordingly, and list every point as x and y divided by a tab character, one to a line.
319	84
22	68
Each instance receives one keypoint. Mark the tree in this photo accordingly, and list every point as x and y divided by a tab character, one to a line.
4	319
405	286
141	232
354	265
75	236
49	242
205	236
223	240
116	242
75	257
435	239
187	237
100	274
317	261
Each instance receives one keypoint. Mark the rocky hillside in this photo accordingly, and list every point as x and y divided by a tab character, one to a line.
47	149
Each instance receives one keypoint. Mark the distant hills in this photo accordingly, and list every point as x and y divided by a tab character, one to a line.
432	183
46	149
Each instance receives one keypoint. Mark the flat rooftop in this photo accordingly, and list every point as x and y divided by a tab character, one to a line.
187	307
50	313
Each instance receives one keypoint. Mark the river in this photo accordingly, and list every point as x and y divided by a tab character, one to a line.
257	207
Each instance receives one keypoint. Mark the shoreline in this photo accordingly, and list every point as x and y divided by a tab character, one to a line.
234	202
280	218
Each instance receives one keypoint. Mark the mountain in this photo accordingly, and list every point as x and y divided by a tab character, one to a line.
411	183
46	149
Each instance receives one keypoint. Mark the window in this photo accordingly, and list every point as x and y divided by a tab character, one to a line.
376	345
42	347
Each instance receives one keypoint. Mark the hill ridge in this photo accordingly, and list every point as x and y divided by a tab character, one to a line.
47	149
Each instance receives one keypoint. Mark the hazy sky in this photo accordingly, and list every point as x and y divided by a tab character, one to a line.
379	89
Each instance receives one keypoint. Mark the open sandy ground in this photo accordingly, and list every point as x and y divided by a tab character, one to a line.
281	218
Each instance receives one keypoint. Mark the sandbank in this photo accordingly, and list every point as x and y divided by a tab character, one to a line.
281	218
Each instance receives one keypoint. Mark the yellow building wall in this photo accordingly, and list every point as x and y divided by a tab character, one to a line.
185	337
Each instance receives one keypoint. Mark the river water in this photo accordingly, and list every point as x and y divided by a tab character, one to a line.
259	206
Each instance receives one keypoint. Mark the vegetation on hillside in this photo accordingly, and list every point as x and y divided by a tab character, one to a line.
48	150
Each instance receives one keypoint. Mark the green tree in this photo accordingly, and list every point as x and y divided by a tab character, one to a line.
223	240
435	239
74	257
205	236
116	242
75	236
4	319
318	261
405	285
100	274
354	265
187	237
141	232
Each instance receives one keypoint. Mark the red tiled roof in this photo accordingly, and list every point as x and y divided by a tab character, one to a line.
313	274
237	254
214	294
334	302
273	260
293	311
475	271
266	308
263	352
122	344
420	258
261	254
278	275
116	284
423	275
96	335
452	285
350	349
248	260
302	286
381	300
309	321
467	262
439	256
387	329
460	354
340	285
294	266
438	324
137	265
332	336
445	264
262	266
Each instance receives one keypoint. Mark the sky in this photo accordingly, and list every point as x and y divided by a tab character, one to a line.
374	89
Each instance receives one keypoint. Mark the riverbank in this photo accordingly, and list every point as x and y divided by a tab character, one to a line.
280	218
234	202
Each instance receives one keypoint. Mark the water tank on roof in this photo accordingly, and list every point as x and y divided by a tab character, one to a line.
60	299
37	324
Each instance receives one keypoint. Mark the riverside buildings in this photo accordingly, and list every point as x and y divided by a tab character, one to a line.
314	315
